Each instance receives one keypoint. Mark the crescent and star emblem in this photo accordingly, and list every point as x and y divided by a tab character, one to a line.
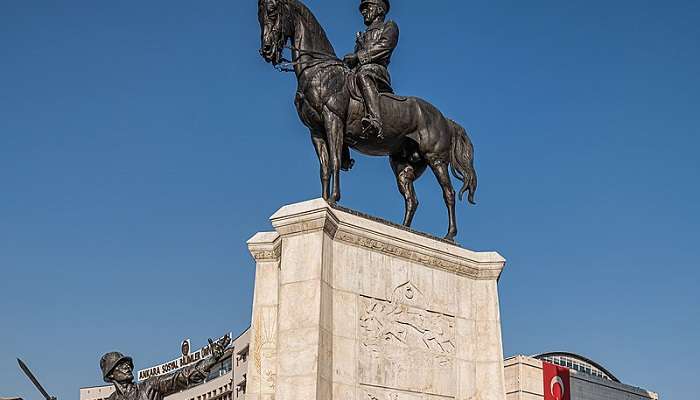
557	380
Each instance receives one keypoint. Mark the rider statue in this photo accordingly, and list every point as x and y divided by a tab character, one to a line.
373	50
330	98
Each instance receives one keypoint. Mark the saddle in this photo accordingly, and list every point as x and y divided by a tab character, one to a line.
357	95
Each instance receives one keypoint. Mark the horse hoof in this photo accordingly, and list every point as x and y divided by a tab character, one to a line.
347	165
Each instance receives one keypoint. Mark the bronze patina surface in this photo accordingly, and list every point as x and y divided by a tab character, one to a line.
349	103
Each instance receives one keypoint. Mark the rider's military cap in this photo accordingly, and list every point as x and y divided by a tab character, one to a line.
384	3
110	361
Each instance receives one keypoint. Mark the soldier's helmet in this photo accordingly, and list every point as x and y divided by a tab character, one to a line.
383	3
110	361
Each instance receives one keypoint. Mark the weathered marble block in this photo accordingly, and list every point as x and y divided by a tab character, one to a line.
353	308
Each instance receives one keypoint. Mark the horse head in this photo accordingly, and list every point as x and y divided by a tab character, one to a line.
275	28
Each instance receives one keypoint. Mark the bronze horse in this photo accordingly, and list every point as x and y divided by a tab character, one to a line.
416	134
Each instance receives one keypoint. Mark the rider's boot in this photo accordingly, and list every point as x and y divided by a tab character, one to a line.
372	122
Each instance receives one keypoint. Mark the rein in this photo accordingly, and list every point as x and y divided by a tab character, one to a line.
317	56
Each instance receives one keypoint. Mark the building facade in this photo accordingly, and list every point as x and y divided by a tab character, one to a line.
524	379
96	392
588	380
226	381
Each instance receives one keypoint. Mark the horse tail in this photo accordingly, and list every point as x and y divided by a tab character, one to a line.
462	160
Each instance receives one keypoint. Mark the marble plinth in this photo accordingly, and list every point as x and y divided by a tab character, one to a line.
353	308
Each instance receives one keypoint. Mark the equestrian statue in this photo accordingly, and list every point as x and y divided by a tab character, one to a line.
349	103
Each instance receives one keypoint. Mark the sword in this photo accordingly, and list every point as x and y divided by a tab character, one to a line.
32	378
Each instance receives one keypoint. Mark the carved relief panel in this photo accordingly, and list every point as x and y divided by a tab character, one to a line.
372	393
265	348
405	347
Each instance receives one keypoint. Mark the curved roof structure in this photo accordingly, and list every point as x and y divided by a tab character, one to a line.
578	363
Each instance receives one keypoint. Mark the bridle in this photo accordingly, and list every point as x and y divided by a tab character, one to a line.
317	57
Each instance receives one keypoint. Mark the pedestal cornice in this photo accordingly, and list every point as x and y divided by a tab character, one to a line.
265	246
378	235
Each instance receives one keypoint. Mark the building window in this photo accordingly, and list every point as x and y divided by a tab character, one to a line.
240	387
242	356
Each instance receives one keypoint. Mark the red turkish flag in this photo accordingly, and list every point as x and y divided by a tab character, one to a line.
556	382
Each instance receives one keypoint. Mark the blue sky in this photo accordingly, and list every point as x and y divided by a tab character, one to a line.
142	143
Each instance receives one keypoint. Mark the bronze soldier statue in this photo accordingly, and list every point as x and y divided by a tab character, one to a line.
370	61
118	370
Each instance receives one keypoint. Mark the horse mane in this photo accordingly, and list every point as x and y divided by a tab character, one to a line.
314	27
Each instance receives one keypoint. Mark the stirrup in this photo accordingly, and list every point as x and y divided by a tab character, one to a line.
373	126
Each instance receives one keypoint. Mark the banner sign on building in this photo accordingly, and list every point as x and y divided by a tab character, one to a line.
556	382
186	359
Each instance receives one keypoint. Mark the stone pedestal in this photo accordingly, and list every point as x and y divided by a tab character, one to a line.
348	307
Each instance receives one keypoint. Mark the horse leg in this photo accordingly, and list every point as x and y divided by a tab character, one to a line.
442	173
334	133
406	173
322	152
